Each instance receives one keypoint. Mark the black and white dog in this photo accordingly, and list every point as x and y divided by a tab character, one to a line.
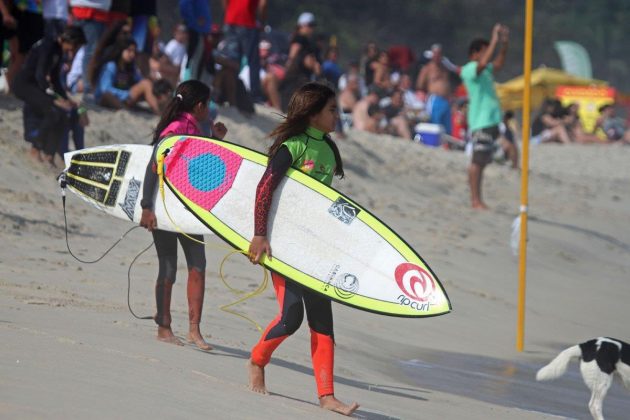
600	358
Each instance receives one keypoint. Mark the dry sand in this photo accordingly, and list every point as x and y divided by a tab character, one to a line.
70	348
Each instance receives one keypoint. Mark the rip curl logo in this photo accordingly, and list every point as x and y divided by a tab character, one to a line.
344	211
129	205
415	282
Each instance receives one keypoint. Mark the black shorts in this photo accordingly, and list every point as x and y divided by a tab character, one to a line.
30	29
484	144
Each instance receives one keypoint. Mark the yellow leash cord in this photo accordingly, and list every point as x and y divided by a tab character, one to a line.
259	289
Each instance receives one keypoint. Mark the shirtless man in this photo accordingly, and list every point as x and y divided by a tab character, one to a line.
360	115
434	81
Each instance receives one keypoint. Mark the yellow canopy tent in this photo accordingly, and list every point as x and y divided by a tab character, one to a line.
543	85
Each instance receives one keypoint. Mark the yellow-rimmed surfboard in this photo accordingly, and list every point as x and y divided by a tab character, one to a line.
319	237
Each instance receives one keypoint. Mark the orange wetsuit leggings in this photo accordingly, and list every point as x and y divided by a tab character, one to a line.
319	314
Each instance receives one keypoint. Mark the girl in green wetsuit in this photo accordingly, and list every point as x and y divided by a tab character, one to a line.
301	142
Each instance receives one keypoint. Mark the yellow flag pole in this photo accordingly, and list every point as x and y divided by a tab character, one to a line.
522	261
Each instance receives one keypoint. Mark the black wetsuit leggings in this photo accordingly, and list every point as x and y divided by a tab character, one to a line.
291	295
166	247
54	120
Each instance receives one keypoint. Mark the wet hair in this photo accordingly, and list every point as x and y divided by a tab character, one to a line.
477	45
73	35
187	95
306	102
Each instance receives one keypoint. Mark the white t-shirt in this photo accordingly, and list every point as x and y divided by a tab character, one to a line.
176	51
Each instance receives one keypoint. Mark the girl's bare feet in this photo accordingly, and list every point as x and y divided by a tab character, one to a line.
256	378
166	334
329	402
195	337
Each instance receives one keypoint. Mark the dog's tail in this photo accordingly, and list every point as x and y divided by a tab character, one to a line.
558	366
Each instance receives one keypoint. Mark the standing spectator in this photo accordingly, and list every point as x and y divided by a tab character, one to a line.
41	72
145	30
55	14
382	74
197	18
240	23
303	38
484	111
91	16
8	33
304	68
330	68
371	55
433	80
25	18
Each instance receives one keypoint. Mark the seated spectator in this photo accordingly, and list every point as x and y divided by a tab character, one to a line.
376	121
459	124
548	126
414	103
397	123
41	73
120	84
612	126
507	138
161	66
347	99
353	69
574	126
74	78
106	49
270	75
360	113
163	91
175	49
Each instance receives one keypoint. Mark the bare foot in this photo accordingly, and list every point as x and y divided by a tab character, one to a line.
196	338
34	154
329	402
256	378
479	205
166	334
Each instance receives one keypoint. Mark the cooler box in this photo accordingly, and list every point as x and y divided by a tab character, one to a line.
428	134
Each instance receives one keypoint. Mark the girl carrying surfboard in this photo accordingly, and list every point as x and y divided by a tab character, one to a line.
184	112
302	142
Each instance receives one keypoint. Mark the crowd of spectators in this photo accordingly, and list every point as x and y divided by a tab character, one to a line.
123	64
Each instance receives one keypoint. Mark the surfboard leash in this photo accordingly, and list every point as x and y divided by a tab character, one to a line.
63	184
260	289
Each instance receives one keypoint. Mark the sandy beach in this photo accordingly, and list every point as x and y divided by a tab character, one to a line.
71	349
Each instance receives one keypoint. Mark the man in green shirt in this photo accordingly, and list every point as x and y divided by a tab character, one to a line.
484	110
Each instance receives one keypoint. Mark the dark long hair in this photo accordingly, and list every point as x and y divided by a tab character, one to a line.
187	95
309	100
106	50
